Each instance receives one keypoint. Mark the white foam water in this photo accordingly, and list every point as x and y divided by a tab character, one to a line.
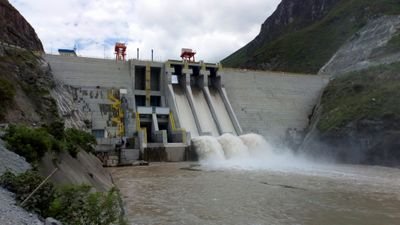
208	148
246	152
233	146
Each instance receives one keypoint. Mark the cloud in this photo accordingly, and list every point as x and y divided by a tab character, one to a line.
214	29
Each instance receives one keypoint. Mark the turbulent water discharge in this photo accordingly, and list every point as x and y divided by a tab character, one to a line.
246	152
245	180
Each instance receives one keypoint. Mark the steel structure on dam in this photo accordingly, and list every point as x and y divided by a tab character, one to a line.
154	108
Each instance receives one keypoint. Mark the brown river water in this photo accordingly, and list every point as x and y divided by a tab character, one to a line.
180	193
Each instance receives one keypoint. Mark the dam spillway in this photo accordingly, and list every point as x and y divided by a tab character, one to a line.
184	111
164	104
206	120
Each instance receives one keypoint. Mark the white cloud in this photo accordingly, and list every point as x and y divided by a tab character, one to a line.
214	29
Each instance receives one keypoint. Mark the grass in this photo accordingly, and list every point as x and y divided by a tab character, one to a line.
308	49
368	94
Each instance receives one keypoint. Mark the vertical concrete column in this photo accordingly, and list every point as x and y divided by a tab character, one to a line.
187	72
163	87
130	129
228	106
147	84
154	121
170	96
132	75
204	73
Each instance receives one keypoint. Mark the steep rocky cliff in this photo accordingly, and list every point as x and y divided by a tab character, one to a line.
301	36
376	43
25	85
25	78
14	29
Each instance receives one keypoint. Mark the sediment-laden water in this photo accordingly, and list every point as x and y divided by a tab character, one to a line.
165	193
229	186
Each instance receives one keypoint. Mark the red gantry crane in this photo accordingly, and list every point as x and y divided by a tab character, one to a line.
187	54
120	51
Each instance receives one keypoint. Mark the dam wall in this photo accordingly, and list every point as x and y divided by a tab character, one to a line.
205	99
90	72
272	103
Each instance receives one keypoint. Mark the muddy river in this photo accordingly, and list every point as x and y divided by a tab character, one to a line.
181	193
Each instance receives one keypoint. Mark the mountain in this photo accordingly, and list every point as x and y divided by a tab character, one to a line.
30	95
357	44
14	29
303	35
358	118
25	78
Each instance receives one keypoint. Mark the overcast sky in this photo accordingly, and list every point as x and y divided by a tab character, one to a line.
214	28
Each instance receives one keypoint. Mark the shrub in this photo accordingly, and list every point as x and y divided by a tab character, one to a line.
72	204
76	205
23	185
56	129
76	139
28	142
68	205
33	143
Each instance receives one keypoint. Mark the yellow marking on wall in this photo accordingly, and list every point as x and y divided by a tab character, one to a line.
141	129
117	112
173	126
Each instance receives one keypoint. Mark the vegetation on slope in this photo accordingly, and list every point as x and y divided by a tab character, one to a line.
368	94
307	50
7	93
29	85
72	205
393	46
33	143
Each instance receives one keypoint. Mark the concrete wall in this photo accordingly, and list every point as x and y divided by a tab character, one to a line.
80	71
269	103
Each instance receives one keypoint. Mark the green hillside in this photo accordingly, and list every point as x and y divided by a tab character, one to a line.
306	50
371	94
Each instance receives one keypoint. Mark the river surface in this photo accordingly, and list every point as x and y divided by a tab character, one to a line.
176	193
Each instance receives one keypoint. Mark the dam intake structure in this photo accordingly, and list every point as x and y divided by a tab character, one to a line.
150	110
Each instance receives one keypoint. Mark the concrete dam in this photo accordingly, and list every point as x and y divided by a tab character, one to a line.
151	110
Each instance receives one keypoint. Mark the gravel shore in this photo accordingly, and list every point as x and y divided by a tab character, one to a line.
11	214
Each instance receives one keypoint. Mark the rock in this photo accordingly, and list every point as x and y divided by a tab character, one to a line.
51	221
366	48
290	16
14	29
11	161
11	214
